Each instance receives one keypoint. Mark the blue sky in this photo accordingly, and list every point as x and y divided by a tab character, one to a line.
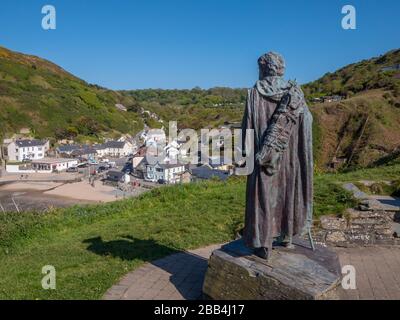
129	44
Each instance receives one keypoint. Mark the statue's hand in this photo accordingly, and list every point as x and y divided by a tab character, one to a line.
269	159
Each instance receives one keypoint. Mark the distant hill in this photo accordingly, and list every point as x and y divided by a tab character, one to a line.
40	95
364	129
195	108
377	73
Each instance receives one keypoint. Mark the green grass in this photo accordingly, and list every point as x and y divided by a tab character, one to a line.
92	247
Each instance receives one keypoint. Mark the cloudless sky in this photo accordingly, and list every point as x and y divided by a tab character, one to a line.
128	44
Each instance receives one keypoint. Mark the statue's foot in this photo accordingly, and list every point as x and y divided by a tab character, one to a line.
262	253
289	245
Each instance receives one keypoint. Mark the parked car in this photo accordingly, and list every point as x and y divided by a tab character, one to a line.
72	169
101	169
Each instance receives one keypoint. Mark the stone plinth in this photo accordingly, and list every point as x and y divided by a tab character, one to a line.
234	273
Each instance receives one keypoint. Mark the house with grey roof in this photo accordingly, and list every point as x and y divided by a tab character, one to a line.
26	149
166	173
83	151
115	149
68	149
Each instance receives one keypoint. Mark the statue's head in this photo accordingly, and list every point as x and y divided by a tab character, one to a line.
271	64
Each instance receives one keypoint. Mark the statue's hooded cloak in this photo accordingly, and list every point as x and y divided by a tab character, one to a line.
278	199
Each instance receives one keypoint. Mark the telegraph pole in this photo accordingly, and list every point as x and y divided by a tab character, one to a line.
1	152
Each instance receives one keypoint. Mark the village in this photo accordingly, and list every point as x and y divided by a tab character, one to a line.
101	172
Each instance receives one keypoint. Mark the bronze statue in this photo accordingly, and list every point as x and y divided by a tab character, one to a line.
280	188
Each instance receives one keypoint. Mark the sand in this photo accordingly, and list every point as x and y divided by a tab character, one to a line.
29	195
28	185
84	191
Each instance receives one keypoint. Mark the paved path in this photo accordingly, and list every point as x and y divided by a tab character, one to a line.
180	276
377	272
388	200
177	277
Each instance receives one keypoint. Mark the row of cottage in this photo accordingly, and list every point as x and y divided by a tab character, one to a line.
33	155
29	150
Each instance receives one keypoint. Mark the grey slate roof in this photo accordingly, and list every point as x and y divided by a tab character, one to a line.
70	147
204	172
30	143
83	151
111	144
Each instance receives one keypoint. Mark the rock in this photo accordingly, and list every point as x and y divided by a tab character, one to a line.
333	223
357	193
336	237
235	274
396	229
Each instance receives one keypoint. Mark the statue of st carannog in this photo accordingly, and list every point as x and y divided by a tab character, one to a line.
280	188
278	203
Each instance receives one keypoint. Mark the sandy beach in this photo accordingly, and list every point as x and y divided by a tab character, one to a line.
84	191
29	195
29	185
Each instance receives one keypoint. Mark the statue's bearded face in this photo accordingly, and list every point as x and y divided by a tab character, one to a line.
271	64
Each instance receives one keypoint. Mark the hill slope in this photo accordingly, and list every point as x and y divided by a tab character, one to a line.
363	129
377	73
38	94
195	108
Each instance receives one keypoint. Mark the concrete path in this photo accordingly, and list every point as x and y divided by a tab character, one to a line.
180	276
377	272
177	277
387	200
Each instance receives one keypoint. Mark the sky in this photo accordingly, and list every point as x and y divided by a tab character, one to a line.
176	44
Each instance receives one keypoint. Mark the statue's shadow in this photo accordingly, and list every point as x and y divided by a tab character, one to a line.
128	248
186	270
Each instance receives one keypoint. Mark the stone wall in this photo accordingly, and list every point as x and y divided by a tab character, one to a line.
357	228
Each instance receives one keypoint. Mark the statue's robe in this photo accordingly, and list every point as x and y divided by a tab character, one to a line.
278	204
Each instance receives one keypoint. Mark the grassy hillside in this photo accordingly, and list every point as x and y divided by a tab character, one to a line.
37	94
358	77
364	128
194	108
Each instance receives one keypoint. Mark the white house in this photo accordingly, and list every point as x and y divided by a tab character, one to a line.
166	173
171	151
48	165
22	150
154	136
115	149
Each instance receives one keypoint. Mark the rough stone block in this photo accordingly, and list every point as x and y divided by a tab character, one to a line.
298	274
